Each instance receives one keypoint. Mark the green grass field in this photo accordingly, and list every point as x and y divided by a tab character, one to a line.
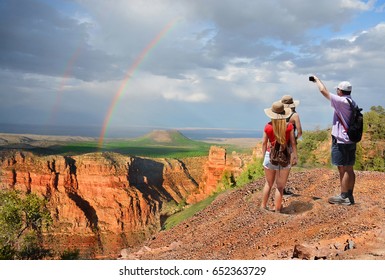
179	217
162	144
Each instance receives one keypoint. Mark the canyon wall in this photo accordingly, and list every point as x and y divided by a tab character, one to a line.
101	202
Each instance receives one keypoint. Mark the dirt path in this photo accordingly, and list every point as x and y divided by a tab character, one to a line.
233	226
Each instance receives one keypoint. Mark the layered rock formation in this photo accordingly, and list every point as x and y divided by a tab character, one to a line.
102	202
218	163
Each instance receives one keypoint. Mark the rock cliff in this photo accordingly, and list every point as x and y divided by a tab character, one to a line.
102	202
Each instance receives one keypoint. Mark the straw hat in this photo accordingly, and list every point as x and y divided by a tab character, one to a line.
277	111
288	101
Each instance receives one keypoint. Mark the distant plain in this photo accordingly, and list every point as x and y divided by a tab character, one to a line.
158	143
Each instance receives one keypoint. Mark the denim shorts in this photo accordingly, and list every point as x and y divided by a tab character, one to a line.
343	154
267	164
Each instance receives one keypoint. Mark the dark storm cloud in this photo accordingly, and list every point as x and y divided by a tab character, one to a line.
36	38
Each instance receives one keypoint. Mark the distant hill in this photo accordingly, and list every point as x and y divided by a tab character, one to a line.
159	143
165	137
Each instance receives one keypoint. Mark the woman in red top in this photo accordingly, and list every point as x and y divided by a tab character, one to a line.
277	130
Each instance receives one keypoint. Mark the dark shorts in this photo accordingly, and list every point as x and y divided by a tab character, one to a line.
343	154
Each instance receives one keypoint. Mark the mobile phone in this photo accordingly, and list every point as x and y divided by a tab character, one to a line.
311	79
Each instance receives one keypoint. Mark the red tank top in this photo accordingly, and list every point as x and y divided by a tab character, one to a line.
270	133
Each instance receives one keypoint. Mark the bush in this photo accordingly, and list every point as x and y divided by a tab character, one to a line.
374	122
309	143
7	252
376	164
70	254
253	171
227	180
22	221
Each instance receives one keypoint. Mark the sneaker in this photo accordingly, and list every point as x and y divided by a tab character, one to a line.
338	199
287	191
265	209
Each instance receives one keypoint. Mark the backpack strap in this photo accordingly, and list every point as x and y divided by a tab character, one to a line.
289	117
342	121
352	106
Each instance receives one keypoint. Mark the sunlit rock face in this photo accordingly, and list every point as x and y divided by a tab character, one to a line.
101	202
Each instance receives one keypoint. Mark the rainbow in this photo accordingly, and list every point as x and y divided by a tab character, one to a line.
129	74
66	76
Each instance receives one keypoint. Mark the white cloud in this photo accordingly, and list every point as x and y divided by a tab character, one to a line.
358	5
187	97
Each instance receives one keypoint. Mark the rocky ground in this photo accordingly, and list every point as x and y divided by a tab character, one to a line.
234	227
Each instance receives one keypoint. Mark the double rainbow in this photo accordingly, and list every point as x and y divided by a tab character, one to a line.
143	54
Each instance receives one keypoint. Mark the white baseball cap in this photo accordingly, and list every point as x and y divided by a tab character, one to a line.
345	86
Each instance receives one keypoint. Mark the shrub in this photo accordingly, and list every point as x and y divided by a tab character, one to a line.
376	164
227	180
253	171
70	254
374	122
22	221
311	140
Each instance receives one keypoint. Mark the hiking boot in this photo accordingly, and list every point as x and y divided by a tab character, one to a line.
338	199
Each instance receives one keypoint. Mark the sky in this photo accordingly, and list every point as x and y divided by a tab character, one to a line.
184	64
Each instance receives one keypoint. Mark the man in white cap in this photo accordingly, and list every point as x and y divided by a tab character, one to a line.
343	150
